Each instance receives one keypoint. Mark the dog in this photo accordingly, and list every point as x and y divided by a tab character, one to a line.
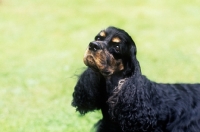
129	102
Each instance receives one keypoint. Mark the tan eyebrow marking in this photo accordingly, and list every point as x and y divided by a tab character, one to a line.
102	34
116	39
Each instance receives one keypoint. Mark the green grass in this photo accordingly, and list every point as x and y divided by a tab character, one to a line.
42	44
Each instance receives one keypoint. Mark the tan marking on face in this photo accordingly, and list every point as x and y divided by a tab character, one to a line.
103	61
102	34
119	65
94	59
116	39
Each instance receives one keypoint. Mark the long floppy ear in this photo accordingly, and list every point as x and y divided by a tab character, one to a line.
88	91
132	66
134	62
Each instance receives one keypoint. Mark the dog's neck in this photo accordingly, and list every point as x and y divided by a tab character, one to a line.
112	82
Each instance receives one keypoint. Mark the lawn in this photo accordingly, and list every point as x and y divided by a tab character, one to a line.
42	43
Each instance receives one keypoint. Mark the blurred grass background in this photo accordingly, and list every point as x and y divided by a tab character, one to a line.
42	44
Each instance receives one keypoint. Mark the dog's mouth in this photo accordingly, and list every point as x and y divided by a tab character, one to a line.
102	61
106	73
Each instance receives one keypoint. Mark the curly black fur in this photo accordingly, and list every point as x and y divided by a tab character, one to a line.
132	103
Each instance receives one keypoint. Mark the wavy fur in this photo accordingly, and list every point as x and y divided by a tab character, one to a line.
132	103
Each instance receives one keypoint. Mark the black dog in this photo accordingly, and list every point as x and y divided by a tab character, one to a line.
129	101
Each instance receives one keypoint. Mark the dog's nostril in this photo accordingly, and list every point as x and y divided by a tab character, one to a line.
94	46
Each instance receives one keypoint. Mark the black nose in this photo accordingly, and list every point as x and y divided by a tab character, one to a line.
94	46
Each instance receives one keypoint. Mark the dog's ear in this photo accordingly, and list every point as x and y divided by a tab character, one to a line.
132	64
87	94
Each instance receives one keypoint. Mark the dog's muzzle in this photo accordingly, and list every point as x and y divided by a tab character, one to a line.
98	58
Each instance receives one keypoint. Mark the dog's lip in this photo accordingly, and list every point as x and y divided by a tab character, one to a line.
106	73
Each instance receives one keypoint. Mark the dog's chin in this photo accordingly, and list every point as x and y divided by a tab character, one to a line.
105	73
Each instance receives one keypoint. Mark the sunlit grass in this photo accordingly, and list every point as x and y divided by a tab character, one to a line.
42	44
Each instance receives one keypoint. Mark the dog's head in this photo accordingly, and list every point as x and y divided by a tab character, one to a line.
112	50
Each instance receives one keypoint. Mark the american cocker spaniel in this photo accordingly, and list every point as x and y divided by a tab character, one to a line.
129	102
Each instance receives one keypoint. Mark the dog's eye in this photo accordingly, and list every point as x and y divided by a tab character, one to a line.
117	48
98	38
